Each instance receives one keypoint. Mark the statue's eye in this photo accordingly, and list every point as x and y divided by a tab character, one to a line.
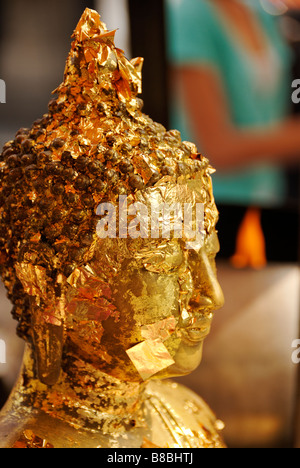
165	258
212	245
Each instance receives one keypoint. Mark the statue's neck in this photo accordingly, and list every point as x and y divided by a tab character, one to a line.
86	397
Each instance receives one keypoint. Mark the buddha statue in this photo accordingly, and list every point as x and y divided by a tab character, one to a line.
111	304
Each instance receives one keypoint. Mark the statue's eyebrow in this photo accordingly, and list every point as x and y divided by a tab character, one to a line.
159	247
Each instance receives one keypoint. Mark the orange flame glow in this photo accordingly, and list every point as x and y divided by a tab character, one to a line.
250	244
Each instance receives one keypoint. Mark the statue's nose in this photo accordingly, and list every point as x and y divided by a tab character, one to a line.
208	293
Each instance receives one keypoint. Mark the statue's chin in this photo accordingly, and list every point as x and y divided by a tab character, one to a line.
187	359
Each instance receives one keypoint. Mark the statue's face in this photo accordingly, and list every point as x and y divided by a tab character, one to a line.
143	307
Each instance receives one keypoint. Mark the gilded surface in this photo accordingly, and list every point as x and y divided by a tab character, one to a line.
29	440
106	317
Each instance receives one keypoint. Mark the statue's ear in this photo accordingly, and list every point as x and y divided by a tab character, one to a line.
48	341
47	325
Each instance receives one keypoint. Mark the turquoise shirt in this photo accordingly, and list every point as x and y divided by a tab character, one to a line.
196	34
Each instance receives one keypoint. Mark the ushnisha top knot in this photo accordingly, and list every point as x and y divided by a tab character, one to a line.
96	64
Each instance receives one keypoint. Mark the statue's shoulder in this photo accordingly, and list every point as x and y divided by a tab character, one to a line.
28	439
22	425
188	418
174	416
16	423
13	425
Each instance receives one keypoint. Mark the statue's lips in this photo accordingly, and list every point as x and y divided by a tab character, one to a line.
197	332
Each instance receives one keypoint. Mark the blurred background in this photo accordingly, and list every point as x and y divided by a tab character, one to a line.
221	72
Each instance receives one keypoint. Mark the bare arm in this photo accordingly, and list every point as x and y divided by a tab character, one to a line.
224	144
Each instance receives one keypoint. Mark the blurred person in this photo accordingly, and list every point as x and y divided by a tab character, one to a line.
231	92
